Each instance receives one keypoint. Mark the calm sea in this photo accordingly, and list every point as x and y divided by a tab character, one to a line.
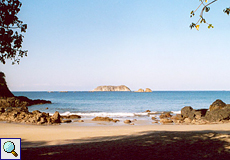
123	104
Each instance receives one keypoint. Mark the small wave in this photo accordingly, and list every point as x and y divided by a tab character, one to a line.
105	114
142	114
117	114
176	112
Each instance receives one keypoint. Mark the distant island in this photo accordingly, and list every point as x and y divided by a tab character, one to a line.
112	88
146	90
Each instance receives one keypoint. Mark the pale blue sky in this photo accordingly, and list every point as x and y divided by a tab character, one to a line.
81	44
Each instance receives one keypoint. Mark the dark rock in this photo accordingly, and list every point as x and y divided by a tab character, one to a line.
56	118
116	120
4	90
200	113
177	117
102	119
218	104
189	112
2	110
147	111
186	111
165	115
66	121
153	118
71	117
127	121
20	101
164	121
218	115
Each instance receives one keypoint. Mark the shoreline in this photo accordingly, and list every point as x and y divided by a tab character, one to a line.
32	135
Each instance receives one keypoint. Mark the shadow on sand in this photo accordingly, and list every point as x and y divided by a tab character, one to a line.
146	145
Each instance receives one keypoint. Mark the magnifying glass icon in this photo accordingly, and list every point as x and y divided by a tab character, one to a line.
9	147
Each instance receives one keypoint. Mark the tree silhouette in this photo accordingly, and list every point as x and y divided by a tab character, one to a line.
10	31
204	5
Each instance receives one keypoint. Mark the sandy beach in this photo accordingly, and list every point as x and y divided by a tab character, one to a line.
121	142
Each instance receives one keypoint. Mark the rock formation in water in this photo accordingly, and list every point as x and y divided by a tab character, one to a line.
112	88
7	99
146	90
140	90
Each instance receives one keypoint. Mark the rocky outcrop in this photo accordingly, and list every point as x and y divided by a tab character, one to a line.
112	88
20	102
165	118
165	115
218	104
166	121
7	99
56	118
4	90
71	117
127	121
22	115
218	112
189	112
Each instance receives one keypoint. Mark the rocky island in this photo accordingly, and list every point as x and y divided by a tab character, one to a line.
111	88
146	90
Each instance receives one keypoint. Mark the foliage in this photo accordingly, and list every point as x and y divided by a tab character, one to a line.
10	31
206	8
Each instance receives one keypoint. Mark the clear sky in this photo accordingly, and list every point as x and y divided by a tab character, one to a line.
81	44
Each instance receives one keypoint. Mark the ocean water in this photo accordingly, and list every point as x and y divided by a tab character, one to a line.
123	104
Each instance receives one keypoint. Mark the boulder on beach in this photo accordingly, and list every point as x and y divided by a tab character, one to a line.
165	115
112	88
166	121
107	119
218	111
127	121
217	115
56	118
71	117
189	112
22	115
218	104
186	111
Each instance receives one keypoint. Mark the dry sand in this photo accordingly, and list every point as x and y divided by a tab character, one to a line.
121	142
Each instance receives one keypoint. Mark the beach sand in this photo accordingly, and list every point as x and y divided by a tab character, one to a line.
121	142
